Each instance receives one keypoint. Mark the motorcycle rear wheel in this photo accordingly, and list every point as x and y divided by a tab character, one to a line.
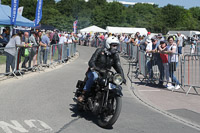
108	124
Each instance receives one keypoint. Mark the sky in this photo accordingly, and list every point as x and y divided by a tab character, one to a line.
185	3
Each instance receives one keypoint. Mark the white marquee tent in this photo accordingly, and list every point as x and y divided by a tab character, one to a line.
127	30
93	29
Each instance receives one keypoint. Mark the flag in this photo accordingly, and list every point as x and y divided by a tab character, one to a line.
38	15
14	9
20	10
75	25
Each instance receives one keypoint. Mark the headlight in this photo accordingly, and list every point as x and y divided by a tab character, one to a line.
117	79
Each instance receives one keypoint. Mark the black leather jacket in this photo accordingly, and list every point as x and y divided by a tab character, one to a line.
101	60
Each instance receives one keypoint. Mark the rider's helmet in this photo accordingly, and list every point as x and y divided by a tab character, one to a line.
111	41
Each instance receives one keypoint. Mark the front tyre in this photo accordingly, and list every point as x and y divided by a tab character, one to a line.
110	116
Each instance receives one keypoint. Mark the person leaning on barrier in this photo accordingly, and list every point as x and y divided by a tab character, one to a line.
62	41
162	48
155	60
10	50
25	40
172	51
33	53
54	40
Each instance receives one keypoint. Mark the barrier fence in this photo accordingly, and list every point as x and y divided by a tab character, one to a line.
185	70
35	58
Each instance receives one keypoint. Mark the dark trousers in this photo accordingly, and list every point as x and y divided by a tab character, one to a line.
159	63
10	61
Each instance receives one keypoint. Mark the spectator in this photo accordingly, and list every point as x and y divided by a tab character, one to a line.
33	55
5	38
62	41
179	42
163	47
155	60
172	52
10	51
25	40
45	47
54	41
192	49
144	43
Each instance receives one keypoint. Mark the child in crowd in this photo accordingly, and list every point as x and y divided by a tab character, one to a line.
164	57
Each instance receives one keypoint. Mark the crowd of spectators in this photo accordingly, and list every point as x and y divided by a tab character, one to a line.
161	51
28	45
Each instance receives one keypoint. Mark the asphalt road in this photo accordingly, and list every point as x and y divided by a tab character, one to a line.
42	102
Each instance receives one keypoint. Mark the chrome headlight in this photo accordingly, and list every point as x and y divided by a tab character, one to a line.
117	79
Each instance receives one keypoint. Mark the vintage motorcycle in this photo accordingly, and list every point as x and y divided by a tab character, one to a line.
104	99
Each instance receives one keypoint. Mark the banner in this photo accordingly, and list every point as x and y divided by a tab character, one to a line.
75	25
38	15
14	9
20	10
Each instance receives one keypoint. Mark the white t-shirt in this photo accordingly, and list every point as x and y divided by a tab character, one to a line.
11	46
192	49
149	47
172	57
122	38
106	36
181	41
69	40
62	40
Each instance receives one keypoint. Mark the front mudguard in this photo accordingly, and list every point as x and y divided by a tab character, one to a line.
117	91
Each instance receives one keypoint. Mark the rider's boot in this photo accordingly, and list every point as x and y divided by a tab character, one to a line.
81	98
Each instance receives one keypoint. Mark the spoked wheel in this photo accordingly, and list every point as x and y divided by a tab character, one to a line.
110	116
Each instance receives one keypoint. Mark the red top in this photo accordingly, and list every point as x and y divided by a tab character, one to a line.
164	58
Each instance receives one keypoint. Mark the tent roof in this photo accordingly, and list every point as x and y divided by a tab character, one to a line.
128	30
93	29
5	15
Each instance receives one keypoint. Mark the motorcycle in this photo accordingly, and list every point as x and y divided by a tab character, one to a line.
104	100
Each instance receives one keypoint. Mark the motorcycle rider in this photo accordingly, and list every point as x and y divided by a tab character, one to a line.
103	59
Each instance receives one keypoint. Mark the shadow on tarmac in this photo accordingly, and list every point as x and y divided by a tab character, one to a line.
84	114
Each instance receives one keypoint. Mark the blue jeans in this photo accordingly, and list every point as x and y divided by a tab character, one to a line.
44	54
92	76
180	50
171	74
159	63
10	61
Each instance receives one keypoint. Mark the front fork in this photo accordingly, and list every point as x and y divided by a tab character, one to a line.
105	99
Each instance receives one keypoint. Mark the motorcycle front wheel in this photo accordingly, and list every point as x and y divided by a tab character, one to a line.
109	117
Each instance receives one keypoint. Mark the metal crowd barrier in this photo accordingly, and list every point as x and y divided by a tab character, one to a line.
38	58
191	72
187	70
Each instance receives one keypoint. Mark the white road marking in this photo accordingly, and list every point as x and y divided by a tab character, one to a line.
18	127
